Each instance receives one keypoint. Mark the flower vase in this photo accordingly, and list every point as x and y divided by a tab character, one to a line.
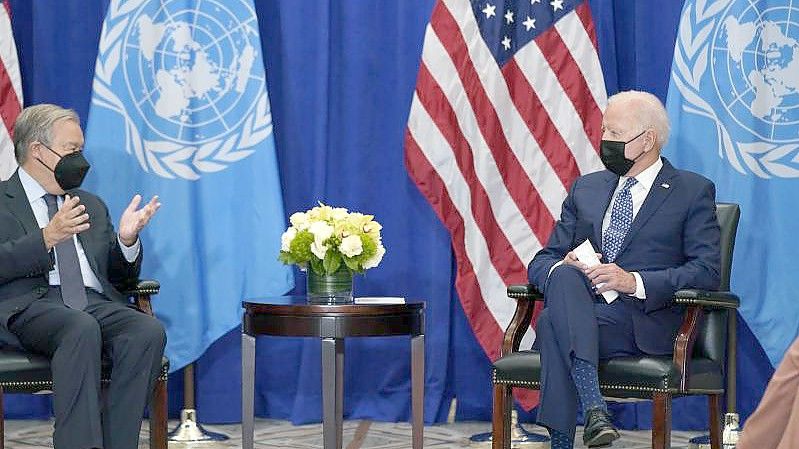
333	288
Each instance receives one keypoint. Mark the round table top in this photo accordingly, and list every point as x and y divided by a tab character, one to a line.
299	305
295	316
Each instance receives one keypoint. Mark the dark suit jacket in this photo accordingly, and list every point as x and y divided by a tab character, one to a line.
25	262
673	242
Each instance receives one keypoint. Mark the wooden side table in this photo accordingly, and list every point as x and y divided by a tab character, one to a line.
293	316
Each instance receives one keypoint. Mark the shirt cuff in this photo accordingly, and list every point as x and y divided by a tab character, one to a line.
557	264
640	290
130	252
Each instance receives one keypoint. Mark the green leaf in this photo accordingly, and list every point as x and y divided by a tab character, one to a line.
332	262
317	266
352	264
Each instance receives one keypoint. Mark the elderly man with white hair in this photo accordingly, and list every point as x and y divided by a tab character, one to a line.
655	231
62	265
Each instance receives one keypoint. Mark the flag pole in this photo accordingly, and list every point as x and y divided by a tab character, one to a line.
189	430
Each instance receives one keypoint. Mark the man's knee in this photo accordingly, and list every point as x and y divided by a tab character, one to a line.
82	335
567	273
567	279
82	328
149	332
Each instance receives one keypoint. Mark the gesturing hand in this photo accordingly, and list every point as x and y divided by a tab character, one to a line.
133	220
68	221
612	276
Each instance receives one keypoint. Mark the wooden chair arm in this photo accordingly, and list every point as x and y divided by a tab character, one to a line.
696	301
684	343
525	296
141	294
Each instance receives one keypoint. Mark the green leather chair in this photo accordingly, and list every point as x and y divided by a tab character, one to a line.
25	372
696	368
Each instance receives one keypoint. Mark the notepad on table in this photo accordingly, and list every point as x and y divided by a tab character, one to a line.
380	300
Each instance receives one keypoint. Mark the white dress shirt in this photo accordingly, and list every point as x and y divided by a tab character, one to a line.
638	191
35	193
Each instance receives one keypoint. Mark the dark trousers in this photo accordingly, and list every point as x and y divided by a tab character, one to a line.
576	323
75	341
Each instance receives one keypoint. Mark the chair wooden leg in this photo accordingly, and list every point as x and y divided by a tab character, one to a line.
500	438
714	420
158	416
661	421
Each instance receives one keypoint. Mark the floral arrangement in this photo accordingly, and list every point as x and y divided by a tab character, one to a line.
327	238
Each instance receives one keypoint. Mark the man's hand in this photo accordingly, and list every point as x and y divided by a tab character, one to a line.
133	220
612	276
571	259
68	221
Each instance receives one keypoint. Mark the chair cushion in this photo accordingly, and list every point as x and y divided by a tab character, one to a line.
636	377
26	372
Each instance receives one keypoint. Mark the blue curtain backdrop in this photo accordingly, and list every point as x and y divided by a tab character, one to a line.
341	75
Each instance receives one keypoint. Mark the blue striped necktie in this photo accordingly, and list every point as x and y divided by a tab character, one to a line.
621	217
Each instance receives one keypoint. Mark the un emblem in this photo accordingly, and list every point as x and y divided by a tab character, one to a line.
737	63
188	82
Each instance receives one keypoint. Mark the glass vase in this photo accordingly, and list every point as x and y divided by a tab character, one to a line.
333	288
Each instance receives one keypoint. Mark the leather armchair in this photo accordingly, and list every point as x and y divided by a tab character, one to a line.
25	372
697	366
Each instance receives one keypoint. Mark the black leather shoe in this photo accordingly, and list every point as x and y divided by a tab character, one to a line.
599	430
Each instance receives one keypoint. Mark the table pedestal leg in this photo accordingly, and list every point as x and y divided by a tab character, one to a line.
247	390
417	390
332	392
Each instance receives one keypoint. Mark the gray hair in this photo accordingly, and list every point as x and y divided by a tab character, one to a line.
649	110
35	124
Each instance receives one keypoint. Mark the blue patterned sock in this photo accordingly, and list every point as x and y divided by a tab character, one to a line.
586	380
560	440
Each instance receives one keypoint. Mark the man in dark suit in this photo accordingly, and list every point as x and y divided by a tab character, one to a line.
655	231
60	264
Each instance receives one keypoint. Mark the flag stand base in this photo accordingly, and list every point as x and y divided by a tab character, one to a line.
729	436
519	436
190	431
700	442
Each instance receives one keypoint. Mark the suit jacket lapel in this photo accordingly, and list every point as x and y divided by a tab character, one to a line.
657	195
604	194
19	205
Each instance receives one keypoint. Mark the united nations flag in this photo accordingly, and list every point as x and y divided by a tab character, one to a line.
734	105
180	109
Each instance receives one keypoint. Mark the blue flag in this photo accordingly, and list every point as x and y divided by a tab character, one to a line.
734	105
180	109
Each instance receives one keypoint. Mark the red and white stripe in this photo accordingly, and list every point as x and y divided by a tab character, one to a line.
495	149
10	92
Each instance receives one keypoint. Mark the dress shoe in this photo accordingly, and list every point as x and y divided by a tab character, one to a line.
599	430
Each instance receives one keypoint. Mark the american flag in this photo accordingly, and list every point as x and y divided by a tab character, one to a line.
506	114
10	92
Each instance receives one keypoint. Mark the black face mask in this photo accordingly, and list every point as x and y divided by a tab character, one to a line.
612	154
70	169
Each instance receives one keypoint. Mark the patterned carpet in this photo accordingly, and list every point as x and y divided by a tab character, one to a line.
271	434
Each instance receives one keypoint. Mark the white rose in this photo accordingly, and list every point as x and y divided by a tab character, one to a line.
286	238
319	249
375	260
299	220
351	246
372	227
321	231
339	213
